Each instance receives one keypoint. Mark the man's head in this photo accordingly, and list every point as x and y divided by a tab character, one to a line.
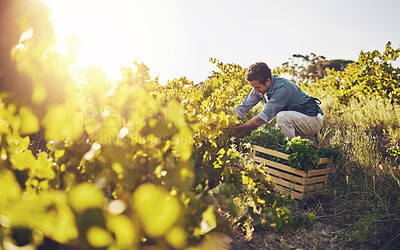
259	77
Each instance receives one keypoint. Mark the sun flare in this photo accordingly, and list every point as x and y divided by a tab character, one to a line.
111	34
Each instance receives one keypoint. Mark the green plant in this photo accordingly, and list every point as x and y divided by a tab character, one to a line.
119	167
361	120
271	138
302	155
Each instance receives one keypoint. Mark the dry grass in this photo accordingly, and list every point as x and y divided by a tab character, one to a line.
364	189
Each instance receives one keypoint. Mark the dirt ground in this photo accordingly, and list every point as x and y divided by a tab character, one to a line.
322	237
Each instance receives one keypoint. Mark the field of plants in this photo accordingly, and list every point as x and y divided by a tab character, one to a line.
142	164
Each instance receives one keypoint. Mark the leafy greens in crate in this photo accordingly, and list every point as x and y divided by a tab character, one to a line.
302	155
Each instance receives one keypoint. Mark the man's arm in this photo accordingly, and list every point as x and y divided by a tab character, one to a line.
251	100
254	123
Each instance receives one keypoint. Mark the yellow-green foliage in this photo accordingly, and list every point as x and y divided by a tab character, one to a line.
116	166
131	164
373	74
364	95
361	106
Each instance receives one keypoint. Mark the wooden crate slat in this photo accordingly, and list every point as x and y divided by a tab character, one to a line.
318	179
284	190
279	166
270	152
283	155
287	176
316	172
288	184
324	161
314	187
288	179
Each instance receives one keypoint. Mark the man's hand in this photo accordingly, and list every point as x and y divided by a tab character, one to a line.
252	124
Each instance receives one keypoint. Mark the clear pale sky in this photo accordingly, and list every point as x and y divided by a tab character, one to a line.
176	38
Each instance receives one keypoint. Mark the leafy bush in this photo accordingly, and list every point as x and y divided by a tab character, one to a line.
271	138
375	74
118	166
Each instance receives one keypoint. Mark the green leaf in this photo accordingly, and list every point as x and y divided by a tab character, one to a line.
10	189
309	223
62	122
184	143
85	196
23	143
157	210
176	114
30	123
44	167
24	160
124	231
98	237
47	212
4	126
176	237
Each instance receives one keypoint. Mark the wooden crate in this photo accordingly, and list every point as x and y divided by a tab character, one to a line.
289	179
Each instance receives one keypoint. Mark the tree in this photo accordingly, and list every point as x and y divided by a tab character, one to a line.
302	68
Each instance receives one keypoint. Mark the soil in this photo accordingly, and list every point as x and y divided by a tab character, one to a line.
323	236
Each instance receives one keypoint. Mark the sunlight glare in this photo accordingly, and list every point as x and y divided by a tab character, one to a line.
112	34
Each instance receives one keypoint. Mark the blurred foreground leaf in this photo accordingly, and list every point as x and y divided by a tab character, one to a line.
85	196
98	237
9	188
157	210
62	122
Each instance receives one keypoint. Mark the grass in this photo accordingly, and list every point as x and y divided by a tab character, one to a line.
363	197
362	200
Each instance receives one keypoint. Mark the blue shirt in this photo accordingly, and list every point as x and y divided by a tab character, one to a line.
281	95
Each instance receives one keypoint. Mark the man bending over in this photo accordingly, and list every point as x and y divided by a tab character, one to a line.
296	113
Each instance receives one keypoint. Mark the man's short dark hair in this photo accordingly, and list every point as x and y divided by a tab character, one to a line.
258	71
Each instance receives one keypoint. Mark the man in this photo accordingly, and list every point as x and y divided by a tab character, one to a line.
296	113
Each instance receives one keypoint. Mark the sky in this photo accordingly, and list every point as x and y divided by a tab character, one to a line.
176	38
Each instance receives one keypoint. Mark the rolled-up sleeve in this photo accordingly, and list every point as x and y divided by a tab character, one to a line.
279	100
251	100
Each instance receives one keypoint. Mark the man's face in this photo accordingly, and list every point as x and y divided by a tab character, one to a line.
260	88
